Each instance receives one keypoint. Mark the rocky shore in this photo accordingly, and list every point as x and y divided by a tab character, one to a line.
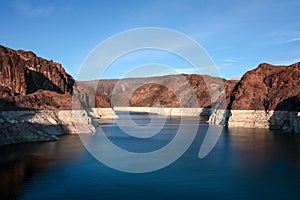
285	121
267	97
38	102
46	125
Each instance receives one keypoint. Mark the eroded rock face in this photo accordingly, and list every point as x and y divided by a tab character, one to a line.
167	91
86	96
268	87
40	100
152	94
36	100
24	73
32	83
29	82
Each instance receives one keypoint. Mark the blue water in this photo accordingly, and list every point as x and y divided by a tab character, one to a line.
244	164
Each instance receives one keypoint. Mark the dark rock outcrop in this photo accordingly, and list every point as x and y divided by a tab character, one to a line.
266	97
32	83
289	104
25	73
266	87
36	99
40	100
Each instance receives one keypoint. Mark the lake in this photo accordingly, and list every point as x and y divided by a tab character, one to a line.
244	164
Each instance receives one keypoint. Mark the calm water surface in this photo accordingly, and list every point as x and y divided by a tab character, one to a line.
244	164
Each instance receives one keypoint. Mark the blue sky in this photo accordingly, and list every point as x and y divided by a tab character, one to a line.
238	35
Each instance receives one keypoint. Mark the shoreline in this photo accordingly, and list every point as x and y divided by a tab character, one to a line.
172	112
45	125
286	121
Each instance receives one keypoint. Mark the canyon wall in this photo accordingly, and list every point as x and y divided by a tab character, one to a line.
24	73
37	97
39	100
172	91
266	97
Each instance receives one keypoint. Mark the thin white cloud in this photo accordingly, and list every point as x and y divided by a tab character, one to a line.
230	60
26	8
297	39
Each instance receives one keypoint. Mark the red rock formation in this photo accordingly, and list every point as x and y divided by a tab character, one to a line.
25	73
31	82
165	91
152	94
40	100
266	87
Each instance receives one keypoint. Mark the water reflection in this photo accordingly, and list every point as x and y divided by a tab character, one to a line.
20	162
262	145
16	173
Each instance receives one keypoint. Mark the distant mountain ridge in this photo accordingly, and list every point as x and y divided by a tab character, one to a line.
165	91
268	87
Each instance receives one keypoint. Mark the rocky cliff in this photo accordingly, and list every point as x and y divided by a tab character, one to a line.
268	87
29	82
24	73
36	100
267	97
